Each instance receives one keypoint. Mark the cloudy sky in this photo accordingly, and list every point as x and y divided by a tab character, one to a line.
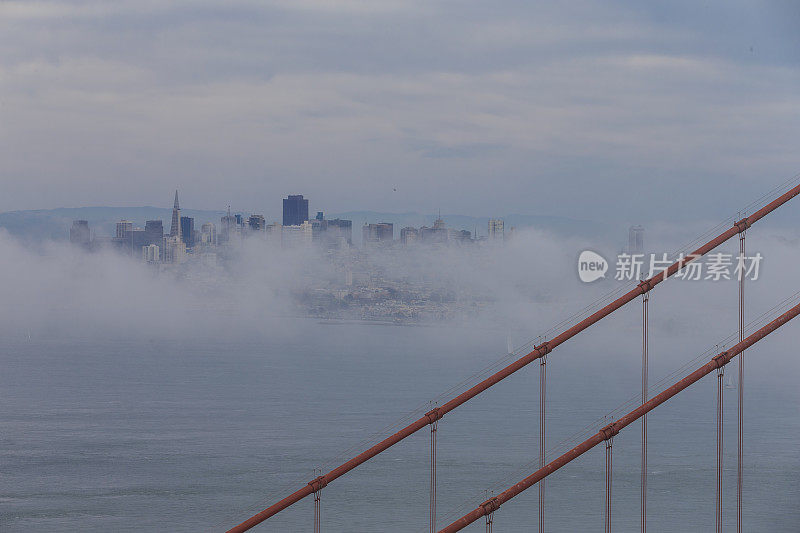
587	109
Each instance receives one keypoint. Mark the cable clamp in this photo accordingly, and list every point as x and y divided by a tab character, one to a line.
491	505
433	415
609	431
645	286
720	359
318	483
544	348
742	225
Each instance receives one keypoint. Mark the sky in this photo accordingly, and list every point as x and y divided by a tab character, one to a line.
592	110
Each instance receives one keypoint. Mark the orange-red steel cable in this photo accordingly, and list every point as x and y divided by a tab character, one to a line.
539	351
716	363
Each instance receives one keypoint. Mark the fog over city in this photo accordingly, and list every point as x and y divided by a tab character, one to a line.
519	288
243	241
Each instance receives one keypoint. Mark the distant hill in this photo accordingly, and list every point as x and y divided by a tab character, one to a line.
54	224
44	224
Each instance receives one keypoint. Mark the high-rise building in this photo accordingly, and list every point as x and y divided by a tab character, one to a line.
496	229
154	232
79	233
257	222
124	227
150	253
299	236
125	234
175	228
342	229
382	232
408	235
187	231
459	236
228	223
208	234
438	234
635	239
295	210
174	250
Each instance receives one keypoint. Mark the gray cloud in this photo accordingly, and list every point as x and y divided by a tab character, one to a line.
519	106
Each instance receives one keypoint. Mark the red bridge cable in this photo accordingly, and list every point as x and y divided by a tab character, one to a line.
667	380
539	351
609	431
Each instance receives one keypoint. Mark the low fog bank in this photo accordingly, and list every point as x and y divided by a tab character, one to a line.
519	288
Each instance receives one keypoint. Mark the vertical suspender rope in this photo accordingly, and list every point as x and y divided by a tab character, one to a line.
645	354
740	428
720	388
609	452
434	426
542	418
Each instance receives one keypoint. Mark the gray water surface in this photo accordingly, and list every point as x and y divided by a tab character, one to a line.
143	435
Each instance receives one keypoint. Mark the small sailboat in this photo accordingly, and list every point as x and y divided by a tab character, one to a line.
729	383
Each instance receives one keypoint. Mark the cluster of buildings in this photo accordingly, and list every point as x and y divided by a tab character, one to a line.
298	230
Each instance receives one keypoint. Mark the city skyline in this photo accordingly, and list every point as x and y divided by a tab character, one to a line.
258	255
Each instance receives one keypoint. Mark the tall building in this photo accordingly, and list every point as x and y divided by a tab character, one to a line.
187	231
154	232
635	239
340	228
150	253
257	222
175	228
127	237
377	233
408	235
438	234
124	227
208	234
299	236
174	250
496	229
79	233
295	210
228	223
459	236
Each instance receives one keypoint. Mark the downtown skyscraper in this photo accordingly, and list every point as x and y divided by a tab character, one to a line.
175	228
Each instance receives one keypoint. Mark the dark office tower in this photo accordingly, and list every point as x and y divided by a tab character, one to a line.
79	232
187	231
295	210
154	232
320	215
175	228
